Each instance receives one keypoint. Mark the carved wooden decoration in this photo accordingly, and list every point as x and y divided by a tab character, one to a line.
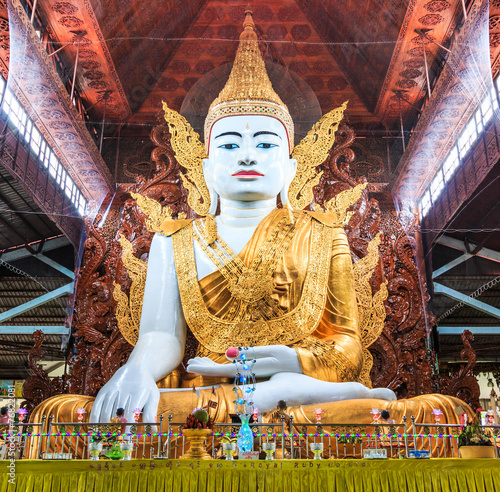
38	386
463	384
401	359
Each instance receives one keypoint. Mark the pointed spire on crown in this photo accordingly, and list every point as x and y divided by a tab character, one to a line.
248	91
248	26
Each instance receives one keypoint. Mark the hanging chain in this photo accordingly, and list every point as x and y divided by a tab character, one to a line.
22	273
475	294
17	271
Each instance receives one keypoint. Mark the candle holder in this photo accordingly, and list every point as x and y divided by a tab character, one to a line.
318	412
229	448
317	449
269	448
375	414
22	412
95	449
437	415
80	412
137	414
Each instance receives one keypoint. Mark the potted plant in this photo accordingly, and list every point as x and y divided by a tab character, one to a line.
197	429
473	443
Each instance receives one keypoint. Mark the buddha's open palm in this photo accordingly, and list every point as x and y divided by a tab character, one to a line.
271	360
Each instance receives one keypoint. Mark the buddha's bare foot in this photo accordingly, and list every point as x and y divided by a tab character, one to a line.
382	394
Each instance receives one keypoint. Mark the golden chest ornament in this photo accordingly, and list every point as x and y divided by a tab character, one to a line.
251	286
217	334
248	284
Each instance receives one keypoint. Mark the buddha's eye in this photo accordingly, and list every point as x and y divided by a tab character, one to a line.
266	146
229	146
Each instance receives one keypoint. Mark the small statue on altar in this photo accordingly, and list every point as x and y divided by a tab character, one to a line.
120	419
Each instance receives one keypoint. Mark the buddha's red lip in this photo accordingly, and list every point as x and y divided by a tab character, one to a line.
247	173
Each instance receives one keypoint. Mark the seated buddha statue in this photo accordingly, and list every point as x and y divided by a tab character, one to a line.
254	275
277	279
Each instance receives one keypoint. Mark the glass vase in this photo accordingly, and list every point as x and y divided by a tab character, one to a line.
126	448
95	449
245	435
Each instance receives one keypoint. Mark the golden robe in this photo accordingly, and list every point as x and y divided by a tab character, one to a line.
315	286
312	308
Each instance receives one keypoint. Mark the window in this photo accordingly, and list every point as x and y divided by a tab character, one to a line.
465	142
29	128
478	117
437	185
489	104
69	187
20	120
36	140
60	176
467	137
451	163
82	204
54	164
425	203
6	101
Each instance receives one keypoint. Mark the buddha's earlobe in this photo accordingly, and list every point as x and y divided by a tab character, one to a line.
288	182
214	200
214	197
285	189
284	202
284	194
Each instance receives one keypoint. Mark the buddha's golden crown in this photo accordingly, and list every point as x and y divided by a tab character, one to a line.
248	90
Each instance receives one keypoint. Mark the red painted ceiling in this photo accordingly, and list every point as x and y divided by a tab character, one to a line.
343	49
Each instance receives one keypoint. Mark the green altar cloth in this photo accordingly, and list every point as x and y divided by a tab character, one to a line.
435	475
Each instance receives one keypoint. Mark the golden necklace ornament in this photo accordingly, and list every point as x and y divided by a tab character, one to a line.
246	283
261	322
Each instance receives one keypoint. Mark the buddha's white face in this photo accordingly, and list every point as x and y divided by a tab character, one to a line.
248	159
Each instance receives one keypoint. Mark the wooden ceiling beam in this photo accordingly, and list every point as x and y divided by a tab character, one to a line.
13	231
424	154
19	215
81	159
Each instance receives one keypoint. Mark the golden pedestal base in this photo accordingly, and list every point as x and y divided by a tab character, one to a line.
196	439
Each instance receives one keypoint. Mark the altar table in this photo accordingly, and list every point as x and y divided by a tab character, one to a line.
434	475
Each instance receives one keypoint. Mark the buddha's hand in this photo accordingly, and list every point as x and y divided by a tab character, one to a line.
131	387
270	360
